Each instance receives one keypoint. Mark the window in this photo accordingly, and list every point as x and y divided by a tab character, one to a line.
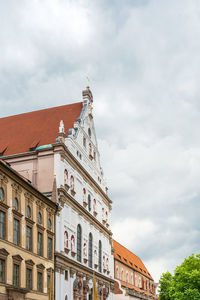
28	211
28	238
2	225
39	282
28	278
66	275
89	202
16	204
100	257
1	194
79	243
49	224
84	141
89	132
2	270
49	248
40	243
16	275
16	232
117	273
39	218
90	251
48	282
94	155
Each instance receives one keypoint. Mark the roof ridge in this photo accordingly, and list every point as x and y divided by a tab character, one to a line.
127	249
43	109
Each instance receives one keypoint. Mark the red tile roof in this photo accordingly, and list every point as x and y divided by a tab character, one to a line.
21	132
125	256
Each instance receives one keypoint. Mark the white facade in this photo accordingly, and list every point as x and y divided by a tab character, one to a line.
82	193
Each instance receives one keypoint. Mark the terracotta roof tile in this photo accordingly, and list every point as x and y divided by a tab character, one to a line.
21	132
130	259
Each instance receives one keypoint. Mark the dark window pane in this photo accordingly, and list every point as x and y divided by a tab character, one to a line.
49	248
49	224
40	243
2	225
28	279
39	282
2	270
89	202
79	238
28	211
1	194
28	238
16	232
39	218
16	204
16	275
90	251
100	256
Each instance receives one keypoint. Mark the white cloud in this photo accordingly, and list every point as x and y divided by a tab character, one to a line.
143	61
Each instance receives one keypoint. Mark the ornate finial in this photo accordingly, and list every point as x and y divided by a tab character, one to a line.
88	81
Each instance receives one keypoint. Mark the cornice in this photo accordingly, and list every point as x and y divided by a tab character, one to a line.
82	268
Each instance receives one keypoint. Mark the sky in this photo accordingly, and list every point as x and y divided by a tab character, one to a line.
142	58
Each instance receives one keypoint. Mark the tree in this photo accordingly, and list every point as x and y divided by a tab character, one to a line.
165	285
185	284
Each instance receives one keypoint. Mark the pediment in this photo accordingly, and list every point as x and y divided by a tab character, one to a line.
4	252
40	266
17	257
29	262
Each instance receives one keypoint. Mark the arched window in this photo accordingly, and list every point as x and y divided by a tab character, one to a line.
89	132
84	141
65	176
100	257
28	211
1	194
90	251
122	275
39	218
49	224
16	204
79	242
126	276
89	202
66	240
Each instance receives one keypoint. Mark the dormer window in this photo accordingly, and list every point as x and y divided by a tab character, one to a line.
89	132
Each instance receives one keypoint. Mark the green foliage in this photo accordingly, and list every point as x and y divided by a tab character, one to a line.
185	284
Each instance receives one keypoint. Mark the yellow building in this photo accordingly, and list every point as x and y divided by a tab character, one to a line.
26	239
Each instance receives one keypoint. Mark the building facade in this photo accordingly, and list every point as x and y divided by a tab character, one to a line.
133	280
26	239
58	148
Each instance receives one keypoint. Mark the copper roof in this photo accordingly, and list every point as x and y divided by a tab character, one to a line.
19	133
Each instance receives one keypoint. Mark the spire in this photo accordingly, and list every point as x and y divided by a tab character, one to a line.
87	95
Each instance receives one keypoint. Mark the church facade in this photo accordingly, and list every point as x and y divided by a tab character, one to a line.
56	149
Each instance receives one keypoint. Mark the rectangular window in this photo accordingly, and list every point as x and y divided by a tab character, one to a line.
48	282
2	224
28	238
40	243
49	248
16	232
66	275
39	281
16	275
28	278
2	270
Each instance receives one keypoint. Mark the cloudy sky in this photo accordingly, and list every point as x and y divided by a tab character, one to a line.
143	60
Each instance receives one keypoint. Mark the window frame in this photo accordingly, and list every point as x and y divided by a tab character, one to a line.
100	256
79	243
90	250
